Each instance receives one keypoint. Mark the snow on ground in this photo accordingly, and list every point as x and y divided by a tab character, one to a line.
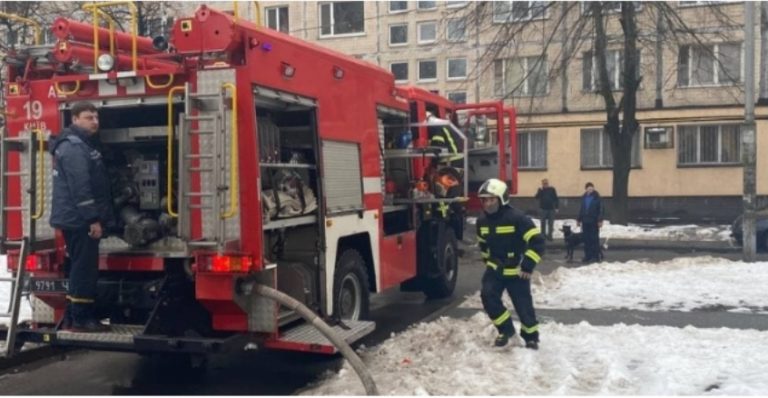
454	357
5	295
651	232
681	284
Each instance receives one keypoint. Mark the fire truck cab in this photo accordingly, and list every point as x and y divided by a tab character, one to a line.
238	156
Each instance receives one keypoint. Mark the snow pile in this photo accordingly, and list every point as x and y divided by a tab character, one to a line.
454	357
681	284
720	233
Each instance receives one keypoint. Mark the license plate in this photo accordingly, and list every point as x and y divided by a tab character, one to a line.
49	285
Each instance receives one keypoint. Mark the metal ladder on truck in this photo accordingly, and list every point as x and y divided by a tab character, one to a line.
209	163
32	146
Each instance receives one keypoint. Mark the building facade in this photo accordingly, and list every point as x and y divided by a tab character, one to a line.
687	157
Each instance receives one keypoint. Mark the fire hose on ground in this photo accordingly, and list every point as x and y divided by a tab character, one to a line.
347	351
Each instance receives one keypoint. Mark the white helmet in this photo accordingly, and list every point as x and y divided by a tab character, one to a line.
494	188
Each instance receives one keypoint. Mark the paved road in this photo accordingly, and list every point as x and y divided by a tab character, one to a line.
278	373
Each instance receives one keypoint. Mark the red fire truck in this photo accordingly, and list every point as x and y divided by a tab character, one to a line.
238	155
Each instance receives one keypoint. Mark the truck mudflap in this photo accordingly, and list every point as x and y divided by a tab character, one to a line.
129	338
307	338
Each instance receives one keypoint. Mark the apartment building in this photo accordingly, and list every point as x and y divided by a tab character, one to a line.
687	157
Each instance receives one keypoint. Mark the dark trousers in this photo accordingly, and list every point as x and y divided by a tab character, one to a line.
547	223
83	254
519	291
591	235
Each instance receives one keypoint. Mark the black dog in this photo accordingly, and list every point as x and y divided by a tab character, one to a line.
572	241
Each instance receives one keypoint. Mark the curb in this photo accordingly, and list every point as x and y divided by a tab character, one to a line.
624	244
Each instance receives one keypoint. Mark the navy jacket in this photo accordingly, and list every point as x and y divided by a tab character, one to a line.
509	241
548	198
81	186
592	214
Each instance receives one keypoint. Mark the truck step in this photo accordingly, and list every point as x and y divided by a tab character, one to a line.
306	338
120	334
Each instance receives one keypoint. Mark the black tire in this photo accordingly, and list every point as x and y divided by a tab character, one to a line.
351	293
444	270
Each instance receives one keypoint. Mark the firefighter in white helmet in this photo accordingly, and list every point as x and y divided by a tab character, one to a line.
511	246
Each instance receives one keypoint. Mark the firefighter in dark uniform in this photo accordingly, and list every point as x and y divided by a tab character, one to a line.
510	246
82	210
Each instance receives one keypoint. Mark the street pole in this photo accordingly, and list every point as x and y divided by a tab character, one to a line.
748	135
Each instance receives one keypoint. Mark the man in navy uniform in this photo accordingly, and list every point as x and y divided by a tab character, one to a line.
81	209
510	246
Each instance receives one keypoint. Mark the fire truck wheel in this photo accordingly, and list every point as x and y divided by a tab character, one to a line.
442	281
350	287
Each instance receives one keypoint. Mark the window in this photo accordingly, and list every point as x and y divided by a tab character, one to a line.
428	71
596	149
458	97
702	3
398	6
427	32
455	4
398	34
456	30
709	144
532	149
714	64
400	70
154	26
615	65
426	5
513	11
277	18
609	7
457	68
520	76
341	18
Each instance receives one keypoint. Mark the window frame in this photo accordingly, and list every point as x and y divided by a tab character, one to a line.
698	163
715	66
463	92
456	3
461	21
512	19
586	11
701	3
419	8
391	11
418	32
333	21
528	134
407	71
617	81
399	24
448	69
526	76
418	71
277	17
605	140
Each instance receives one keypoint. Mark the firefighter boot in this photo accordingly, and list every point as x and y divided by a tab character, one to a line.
532	345
501	340
84	321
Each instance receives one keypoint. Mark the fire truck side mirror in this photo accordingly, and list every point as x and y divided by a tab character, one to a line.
160	43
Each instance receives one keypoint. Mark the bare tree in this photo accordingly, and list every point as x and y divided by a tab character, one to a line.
562	33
